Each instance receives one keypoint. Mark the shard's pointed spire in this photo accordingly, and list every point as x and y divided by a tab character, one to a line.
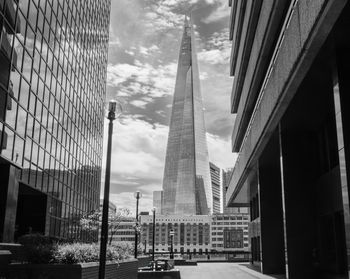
187	21
186	183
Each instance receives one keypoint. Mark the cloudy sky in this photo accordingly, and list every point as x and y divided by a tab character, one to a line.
144	44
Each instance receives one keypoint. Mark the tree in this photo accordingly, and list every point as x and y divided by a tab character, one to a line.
91	223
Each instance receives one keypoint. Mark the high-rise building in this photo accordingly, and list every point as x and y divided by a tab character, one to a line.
291	67
226	177
53	60
215	175
186	182
157	200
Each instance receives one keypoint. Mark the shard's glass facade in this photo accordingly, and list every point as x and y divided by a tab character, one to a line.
53	64
186	182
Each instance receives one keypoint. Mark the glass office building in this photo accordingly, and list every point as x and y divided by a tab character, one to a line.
53	64
186	182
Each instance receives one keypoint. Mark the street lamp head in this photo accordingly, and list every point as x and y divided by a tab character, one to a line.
154	209
172	233
138	195
112	106
115	108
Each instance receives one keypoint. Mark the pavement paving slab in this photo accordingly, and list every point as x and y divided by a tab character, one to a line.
221	271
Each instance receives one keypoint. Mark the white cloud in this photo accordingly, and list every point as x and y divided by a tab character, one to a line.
130	52
126	199
161	113
145	79
222	11
138	148
215	56
217	49
138	152
139	103
203	75
220	151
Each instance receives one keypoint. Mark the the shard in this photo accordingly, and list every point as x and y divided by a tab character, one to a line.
186	182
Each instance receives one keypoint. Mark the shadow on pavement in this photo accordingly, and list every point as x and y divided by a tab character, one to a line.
257	269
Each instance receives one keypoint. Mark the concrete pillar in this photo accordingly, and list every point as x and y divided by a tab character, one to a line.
271	214
8	202
299	203
342	106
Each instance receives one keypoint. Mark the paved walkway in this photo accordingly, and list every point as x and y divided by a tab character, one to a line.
220	271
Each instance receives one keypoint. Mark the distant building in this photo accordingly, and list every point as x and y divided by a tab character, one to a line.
216	186
229	232
157	200
198	233
125	231
226	177
192	233
144	213
125	226
186	181
111	206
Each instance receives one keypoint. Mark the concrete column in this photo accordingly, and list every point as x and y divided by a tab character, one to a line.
271	214
8	202
299	203
342	105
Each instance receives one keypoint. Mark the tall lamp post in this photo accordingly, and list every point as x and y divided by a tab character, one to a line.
154	231
137	196
113	109
172	244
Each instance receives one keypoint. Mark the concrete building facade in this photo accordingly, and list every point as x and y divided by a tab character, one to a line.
226	178
192	233
290	60
157	200
229	232
216	186
197	233
186	181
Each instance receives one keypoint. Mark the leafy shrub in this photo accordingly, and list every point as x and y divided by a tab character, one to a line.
84	253
38	248
41	249
76	253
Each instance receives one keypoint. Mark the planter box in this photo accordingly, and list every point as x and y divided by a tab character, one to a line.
124	270
144	260
166	274
185	262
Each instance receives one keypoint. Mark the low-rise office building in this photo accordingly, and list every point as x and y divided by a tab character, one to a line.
191	233
197	233
229	232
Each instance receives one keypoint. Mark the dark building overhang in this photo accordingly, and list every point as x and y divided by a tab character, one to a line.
232	18
237	18
254	63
